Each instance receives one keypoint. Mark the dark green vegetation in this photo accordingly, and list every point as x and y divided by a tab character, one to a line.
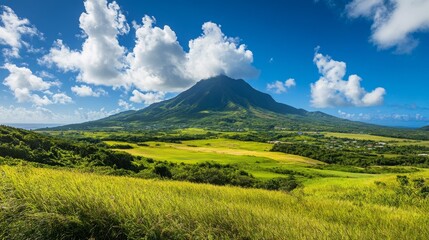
17	145
372	153
412	187
225	104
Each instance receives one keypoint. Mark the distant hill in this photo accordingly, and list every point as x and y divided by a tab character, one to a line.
223	103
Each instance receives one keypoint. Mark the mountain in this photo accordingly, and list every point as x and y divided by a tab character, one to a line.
221	103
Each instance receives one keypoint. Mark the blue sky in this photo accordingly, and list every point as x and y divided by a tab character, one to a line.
74	61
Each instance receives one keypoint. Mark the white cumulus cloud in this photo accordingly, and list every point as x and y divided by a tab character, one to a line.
12	30
23	83
157	60
87	91
124	104
101	60
281	87
213	54
61	98
394	21
332	90
28	87
147	98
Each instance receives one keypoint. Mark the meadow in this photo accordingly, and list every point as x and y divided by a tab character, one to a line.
57	204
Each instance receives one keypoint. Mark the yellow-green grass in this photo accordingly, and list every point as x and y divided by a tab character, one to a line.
171	152
391	140
398	141
192	131
231	144
106	206
222	150
417	142
359	136
362	191
253	157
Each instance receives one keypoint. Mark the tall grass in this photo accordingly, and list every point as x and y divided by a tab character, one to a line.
56	204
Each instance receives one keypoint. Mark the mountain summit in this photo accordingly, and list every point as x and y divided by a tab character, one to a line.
219	103
222	93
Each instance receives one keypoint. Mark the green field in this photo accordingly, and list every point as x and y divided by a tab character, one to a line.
398	141
58	204
253	157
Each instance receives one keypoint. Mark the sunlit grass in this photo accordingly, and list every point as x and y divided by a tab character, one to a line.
115	207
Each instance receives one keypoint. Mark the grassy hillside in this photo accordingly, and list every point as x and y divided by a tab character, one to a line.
346	194
54	204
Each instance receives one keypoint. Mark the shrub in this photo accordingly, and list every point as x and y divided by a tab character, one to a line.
282	184
162	170
121	146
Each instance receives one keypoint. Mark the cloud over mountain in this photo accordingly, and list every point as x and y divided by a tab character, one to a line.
157	60
156	64
213	54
